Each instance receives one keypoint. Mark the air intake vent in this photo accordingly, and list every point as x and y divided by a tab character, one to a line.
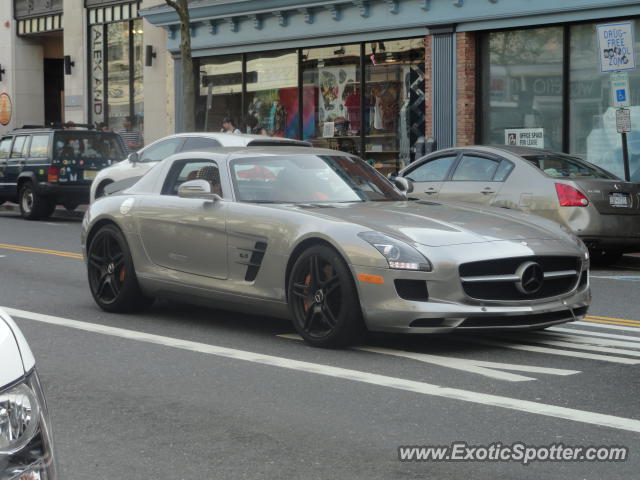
255	261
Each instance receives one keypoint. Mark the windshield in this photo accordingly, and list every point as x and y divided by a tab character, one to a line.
564	166
309	179
70	145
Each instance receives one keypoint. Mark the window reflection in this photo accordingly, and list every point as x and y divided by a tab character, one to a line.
219	92
592	122
118	71
523	83
272	94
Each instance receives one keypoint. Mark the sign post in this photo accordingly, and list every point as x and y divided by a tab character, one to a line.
616	49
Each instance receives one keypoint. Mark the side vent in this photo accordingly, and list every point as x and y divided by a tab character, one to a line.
255	261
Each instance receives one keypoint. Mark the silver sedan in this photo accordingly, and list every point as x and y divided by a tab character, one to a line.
320	237
598	207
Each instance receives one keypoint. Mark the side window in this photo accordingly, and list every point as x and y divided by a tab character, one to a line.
18	146
199	143
161	150
475	169
39	146
5	147
432	171
503	171
186	170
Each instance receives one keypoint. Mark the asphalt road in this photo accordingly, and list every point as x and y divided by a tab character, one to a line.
190	393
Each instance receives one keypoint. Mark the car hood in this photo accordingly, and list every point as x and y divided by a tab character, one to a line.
437	224
15	356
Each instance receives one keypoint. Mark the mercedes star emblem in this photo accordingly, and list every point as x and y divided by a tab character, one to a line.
530	278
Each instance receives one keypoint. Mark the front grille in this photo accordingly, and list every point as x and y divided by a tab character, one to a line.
481	280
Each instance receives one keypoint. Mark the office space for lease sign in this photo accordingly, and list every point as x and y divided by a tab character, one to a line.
524	137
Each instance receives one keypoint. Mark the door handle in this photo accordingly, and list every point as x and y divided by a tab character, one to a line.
430	191
487	191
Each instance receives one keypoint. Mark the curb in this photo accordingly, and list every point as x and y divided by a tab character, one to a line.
60	211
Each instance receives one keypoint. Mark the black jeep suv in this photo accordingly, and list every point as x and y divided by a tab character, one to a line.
41	167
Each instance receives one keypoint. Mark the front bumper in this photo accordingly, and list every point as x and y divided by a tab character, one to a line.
446	307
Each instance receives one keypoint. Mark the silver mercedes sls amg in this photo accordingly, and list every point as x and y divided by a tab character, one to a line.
320	237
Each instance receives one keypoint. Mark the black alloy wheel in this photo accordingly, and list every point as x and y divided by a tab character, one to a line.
32	205
323	299
112	277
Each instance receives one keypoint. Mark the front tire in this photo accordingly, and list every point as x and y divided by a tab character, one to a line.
112	277
32	205
323	299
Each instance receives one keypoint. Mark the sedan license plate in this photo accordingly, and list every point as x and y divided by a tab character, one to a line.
90	174
618	199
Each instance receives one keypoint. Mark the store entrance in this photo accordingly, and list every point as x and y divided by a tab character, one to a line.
53	90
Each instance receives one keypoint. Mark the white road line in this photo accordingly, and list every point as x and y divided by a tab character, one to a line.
577	346
612	327
628	278
487	369
582	416
591	333
591	340
551	351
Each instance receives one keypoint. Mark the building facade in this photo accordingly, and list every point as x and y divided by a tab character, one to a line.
82	61
379	77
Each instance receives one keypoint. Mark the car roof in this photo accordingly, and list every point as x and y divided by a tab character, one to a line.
263	151
242	139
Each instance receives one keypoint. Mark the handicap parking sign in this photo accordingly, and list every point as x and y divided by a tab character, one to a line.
620	89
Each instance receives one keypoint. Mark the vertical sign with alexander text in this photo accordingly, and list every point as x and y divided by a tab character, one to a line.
97	73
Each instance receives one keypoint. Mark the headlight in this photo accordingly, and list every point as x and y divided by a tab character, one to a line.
19	413
398	254
26	452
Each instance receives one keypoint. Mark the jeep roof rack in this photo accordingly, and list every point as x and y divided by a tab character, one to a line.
58	126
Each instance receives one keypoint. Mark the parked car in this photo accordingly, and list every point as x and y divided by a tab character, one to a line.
26	449
42	167
600	208
137	164
320	237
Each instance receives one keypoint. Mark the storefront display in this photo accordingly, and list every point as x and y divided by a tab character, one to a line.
365	99
394	102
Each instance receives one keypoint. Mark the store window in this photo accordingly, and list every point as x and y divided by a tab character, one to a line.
523	85
332	97
272	106
393	102
592	122
219	92
116	73
321	95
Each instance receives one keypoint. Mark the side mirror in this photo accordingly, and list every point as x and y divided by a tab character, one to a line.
403	184
133	157
197	189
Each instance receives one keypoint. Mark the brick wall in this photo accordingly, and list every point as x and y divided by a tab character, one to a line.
428	81
466	88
